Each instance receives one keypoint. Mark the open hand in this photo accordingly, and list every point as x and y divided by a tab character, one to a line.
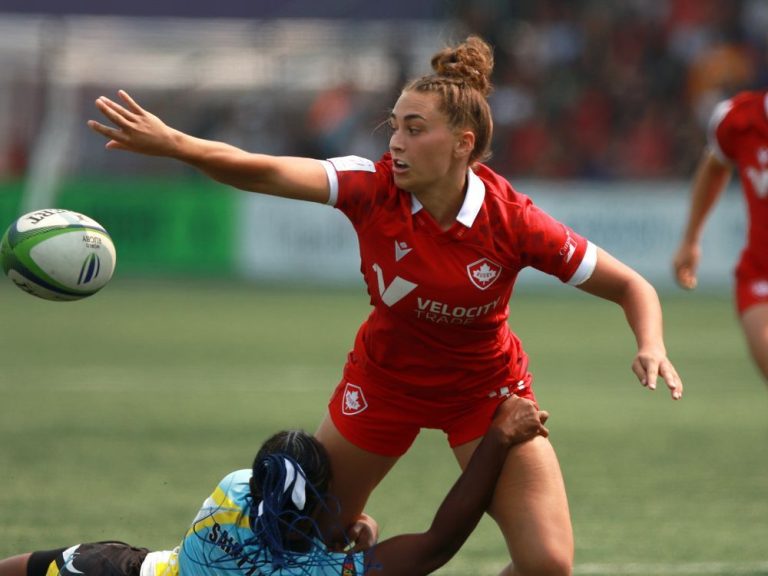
136	130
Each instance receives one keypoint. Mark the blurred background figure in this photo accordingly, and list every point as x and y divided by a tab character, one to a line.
738	138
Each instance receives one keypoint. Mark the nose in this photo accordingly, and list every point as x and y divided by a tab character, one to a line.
395	143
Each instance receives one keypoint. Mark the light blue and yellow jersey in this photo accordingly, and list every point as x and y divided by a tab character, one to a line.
220	542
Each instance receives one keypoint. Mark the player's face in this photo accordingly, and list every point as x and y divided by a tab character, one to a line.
422	143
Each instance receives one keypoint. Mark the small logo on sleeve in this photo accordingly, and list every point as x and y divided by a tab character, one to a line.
353	399
569	247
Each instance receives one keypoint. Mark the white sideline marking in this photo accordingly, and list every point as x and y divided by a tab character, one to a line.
683	569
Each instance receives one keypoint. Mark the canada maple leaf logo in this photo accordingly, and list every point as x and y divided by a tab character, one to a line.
483	273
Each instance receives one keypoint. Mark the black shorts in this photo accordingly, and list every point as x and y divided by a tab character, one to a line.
99	559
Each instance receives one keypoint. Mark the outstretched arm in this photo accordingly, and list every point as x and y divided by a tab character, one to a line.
617	282
137	130
517	420
710	180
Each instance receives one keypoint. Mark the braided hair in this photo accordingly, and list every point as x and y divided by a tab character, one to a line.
290	479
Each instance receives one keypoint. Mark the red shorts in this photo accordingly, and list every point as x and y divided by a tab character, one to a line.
385	419
751	285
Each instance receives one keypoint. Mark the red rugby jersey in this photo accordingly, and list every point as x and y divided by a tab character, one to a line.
440	298
738	134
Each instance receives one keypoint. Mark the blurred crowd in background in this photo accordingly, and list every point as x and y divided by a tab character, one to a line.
599	89
584	89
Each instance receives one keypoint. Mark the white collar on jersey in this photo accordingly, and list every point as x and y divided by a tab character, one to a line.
473	200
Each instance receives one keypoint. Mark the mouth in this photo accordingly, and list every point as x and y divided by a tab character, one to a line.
399	166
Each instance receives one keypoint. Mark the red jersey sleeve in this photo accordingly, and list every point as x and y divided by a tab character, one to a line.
552	247
359	186
730	119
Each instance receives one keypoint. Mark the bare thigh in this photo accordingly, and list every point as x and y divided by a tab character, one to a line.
356	472
531	508
754	322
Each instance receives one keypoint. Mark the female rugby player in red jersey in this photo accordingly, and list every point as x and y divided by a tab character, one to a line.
442	239
737	137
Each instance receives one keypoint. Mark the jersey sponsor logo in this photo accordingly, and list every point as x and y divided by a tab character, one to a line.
397	289
401	250
234	549
442	313
352	164
353	400
483	273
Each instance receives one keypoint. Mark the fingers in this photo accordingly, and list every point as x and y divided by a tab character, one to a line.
651	375
672	378
114	112
115	136
542	430
649	371
520	419
362	534
686	278
353	535
107	131
685	263
646	371
132	105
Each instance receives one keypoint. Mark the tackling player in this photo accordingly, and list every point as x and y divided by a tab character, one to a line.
263	521
737	138
442	240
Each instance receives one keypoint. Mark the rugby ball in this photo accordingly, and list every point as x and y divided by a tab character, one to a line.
57	254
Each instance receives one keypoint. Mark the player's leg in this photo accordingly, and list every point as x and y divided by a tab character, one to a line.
531	508
30	563
356	472
15	565
754	322
365	431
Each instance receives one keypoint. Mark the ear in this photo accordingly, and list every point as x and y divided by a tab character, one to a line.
465	144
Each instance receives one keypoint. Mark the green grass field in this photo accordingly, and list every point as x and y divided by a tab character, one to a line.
118	414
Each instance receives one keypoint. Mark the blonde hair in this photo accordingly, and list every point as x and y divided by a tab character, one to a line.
462	80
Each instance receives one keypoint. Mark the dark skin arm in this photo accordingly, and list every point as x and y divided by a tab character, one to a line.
517	420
